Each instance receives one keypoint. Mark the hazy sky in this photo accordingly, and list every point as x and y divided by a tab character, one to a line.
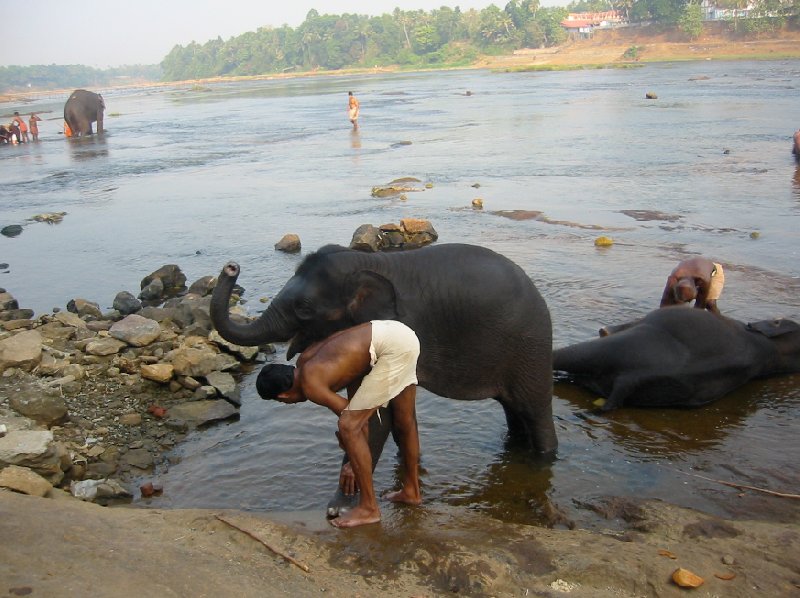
116	32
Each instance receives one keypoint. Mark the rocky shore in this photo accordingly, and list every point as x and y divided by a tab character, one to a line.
90	400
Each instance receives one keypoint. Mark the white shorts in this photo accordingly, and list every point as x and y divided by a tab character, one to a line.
717	282
393	352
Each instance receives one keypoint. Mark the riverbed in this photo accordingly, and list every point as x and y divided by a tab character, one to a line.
199	174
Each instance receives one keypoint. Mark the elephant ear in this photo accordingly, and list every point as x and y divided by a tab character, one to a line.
773	328
370	296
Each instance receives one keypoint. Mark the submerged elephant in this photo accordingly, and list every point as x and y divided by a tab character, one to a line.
483	327
678	357
81	110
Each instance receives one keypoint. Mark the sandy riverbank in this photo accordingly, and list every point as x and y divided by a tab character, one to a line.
65	547
605	49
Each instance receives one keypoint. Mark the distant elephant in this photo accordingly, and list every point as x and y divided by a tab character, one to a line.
483	327
81	110
677	357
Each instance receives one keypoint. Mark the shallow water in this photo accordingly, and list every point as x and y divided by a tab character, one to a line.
197	176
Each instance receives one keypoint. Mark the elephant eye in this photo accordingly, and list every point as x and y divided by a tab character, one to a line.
304	309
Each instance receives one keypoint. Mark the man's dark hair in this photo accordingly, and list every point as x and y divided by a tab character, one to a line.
273	379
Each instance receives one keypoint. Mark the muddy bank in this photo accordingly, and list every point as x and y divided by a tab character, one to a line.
66	547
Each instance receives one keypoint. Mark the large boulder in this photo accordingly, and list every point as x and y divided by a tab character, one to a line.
35	450
289	243
23	351
43	408
136	330
171	277
22	479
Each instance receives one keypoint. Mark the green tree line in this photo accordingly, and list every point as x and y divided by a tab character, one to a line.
417	38
53	76
414	38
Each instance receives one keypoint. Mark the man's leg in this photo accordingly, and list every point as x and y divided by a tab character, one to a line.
404	423
351	431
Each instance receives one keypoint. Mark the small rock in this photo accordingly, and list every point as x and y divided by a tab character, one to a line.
289	243
686	579
204	392
12	230
22	479
136	330
23	351
82	307
131	419
198	413
44	409
104	346
126	303
173	281
158	372
157	411
149	489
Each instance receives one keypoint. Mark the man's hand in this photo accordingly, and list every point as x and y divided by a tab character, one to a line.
347	480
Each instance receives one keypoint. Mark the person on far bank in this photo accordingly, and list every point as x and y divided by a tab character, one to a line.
33	125
353	108
23	128
377	363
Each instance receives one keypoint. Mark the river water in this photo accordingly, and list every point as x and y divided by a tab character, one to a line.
198	175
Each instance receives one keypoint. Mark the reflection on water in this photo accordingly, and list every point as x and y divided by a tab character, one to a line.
355	139
796	181
198	176
88	148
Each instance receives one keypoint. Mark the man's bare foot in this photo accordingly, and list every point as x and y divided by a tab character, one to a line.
403	497
356	517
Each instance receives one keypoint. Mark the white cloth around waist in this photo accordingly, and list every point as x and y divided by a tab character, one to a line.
393	352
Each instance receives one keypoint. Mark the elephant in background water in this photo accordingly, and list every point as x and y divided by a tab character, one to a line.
81	110
679	357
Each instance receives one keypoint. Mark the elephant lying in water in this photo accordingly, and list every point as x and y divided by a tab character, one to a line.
679	357
483	327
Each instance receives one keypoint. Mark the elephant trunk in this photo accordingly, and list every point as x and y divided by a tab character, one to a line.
270	327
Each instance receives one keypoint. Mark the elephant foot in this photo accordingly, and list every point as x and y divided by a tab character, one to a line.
341	503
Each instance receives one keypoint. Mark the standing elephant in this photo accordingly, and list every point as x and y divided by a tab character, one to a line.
676	357
81	110
483	327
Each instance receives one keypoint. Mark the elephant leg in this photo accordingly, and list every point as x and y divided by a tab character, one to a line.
380	425
530	424
609	330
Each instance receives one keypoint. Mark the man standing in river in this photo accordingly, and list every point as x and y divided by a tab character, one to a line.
352	109
377	363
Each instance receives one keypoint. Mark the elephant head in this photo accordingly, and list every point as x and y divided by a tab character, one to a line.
784	336
325	295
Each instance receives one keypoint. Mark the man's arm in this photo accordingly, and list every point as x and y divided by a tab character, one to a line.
315	387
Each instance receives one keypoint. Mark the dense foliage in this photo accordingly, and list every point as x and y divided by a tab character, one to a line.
408	38
414	38
54	76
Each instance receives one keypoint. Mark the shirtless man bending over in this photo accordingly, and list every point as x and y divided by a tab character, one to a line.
377	363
